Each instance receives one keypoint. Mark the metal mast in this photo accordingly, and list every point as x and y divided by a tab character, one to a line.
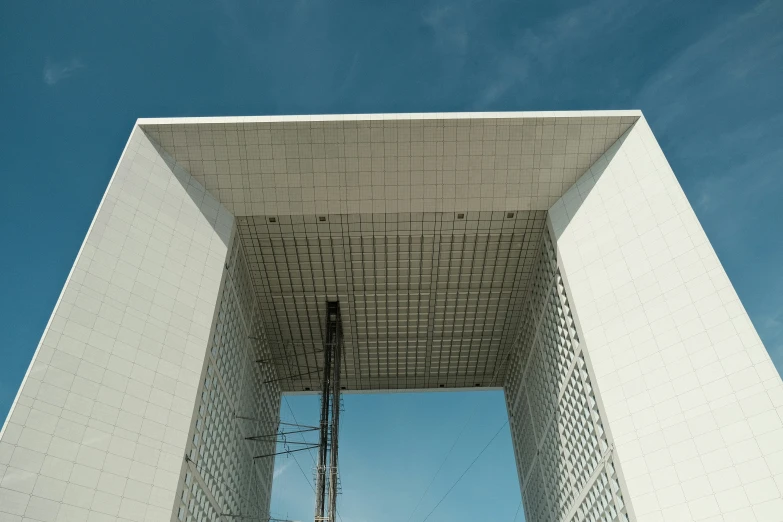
330	392
337	349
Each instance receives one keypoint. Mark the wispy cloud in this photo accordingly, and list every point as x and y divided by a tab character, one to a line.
771	326
713	71
449	24
536	52
705	86
55	72
279	470
350	76
555	44
775	321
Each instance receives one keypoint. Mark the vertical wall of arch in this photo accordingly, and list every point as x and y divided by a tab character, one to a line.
565	457
641	388
100	426
228	468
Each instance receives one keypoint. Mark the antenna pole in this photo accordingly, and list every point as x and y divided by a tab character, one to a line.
336	340
330	390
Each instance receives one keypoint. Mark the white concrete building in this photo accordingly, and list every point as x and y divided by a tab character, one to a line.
553	255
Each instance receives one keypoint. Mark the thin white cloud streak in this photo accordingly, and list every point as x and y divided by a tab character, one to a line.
770	325
536	52
553	44
708	75
712	69
281	469
449	24
54	72
773	323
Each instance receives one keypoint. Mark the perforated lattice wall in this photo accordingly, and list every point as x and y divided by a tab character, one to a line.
239	398
564	457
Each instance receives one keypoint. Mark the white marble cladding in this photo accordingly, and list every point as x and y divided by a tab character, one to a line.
237	412
100	425
564	456
690	395
378	163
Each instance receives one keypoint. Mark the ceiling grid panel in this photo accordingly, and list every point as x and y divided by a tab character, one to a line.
422	225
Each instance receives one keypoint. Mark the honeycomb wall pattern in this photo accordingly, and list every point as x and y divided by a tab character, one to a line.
239	399
563	454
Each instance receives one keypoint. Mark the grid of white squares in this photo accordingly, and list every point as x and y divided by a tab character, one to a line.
441	163
99	429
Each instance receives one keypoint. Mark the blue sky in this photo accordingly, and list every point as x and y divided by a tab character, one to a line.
75	76
392	445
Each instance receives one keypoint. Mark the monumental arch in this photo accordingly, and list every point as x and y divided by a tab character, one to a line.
551	255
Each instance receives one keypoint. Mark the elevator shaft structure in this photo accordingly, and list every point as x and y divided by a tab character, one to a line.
330	420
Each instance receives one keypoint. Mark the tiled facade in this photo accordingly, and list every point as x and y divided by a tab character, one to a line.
536	251
101	423
690	395
565	458
236	412
389	163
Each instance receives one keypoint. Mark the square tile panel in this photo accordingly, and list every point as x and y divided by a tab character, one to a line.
381	163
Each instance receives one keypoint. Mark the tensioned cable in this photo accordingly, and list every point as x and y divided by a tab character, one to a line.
517	513
303	473
448	454
310	452
497	370
297	422
494	377
303	439
465	472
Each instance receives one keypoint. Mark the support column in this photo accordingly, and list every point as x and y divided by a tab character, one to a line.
119	364
691	397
